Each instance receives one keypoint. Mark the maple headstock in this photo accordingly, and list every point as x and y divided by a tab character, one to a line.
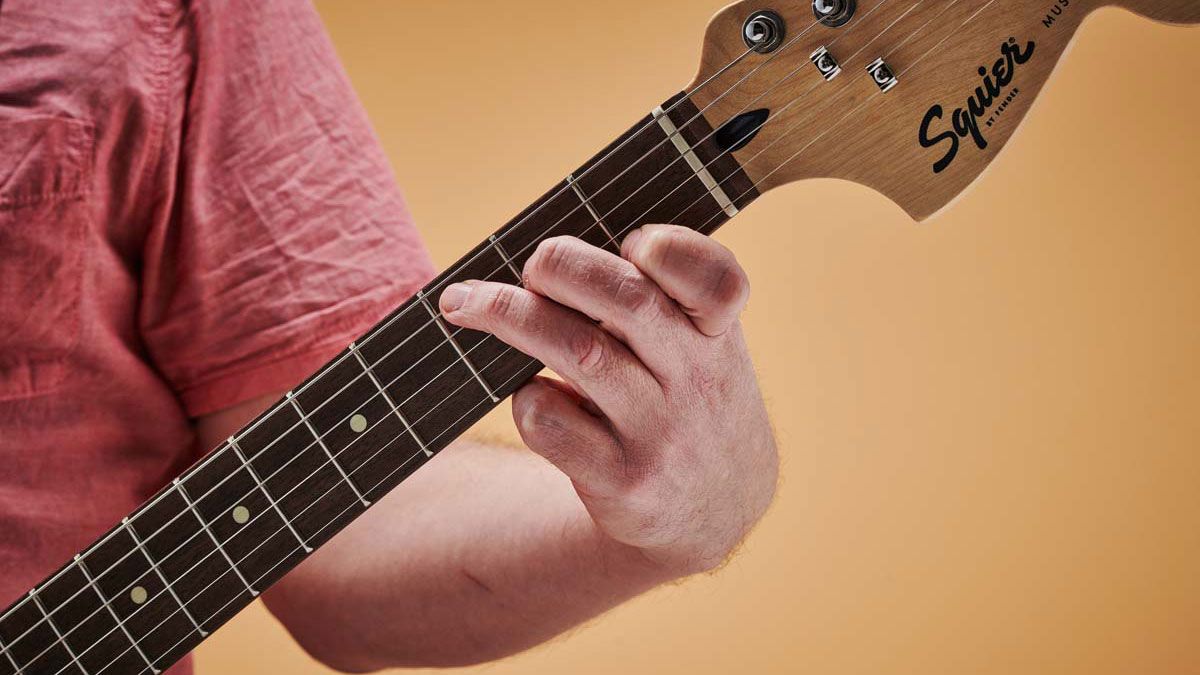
967	72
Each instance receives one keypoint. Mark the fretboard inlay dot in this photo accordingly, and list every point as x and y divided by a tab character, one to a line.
358	424
138	595
241	515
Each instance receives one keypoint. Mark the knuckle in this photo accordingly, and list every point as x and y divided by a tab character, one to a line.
589	352
552	256
499	303
636	297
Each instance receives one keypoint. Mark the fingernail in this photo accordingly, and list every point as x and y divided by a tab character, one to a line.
454	297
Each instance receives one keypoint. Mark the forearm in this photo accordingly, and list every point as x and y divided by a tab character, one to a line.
482	554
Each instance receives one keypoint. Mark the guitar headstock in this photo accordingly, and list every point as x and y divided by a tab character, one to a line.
913	98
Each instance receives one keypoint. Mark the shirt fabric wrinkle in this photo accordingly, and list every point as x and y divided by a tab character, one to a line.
231	226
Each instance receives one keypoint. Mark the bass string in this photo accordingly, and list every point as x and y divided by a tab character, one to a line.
463	384
759	182
431	322
600	161
460	386
402	403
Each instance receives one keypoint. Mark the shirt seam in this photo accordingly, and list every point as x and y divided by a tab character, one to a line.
161	32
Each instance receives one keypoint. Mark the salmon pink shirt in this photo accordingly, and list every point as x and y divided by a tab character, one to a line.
194	212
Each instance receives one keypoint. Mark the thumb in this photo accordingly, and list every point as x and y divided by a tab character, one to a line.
554	424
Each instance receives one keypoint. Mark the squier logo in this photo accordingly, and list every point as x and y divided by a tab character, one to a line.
965	121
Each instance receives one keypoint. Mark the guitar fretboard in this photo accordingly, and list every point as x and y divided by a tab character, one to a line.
204	547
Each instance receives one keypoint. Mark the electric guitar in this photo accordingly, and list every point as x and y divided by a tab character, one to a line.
913	98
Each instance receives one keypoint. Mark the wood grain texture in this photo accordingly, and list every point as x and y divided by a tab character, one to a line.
848	129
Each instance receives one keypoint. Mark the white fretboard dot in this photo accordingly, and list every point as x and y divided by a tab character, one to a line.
241	515
138	595
358	424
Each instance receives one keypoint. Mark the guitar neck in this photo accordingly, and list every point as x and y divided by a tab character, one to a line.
179	567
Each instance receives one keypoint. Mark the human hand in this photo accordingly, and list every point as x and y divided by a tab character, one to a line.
660	424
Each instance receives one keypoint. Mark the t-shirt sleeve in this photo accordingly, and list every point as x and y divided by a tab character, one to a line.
286	236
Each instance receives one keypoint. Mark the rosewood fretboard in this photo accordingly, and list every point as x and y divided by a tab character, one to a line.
183	564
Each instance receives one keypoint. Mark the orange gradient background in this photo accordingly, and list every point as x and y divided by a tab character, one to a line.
990	423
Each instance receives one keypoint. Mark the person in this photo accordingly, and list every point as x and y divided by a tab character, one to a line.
195	215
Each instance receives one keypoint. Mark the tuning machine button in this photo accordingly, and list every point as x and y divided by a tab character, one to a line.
764	31
826	64
883	75
834	13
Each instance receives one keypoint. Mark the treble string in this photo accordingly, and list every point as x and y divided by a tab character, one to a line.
463	384
606	157
757	183
498	357
431	322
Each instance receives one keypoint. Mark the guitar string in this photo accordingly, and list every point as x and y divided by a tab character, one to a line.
400	405
610	240
432	321
502	354
777	84
519	374
511	379
687	97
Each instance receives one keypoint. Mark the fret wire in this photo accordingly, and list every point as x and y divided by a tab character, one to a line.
192	507
11	659
54	627
237	449
321	442
507	259
437	318
166	584
711	219
591	209
388	399
104	601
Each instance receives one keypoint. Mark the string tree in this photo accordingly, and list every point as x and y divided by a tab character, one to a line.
882	75
826	63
